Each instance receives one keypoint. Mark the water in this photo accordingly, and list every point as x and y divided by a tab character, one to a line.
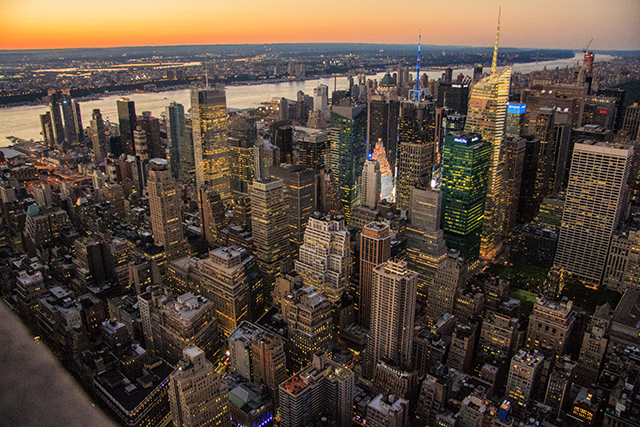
24	121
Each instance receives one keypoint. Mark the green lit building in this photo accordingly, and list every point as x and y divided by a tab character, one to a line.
465	174
348	139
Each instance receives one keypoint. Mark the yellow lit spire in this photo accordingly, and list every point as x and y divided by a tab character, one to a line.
495	49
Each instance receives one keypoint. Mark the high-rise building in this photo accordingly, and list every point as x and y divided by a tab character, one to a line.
515	119
450	275
210	145
560	382
165	209
141	143
382	120
593	208
98	136
393	300
321	99
309	322
300	192
388	410
594	346
370	184
212	214
486	117
47	130
226	282
523	375
258	355
270	232
70	114
631	124
348	151
426	247
325	256
416	136
314	147
171	323
466	172
197	394
242	137
324	389
375	249
175	128
386	173
56	119
187	159
127	120
551	326
516	149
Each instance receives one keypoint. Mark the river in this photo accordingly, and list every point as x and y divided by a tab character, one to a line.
24	121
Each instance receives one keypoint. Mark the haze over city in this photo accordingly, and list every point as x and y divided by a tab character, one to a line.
567	24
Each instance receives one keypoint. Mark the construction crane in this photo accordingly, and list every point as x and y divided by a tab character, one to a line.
586	48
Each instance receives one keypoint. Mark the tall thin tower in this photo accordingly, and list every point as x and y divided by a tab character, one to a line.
416	96
486	117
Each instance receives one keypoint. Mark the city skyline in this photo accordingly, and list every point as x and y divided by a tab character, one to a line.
569	24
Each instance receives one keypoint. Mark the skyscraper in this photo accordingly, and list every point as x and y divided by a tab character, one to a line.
98	136
165	209
175	128
393	301
386	172
382	122
127	120
465	173
197	394
212	214
56	119
210	146
348	151
416	133
516	149
242	137
370	184
486	117
47	130
69	114
593	208
187	159
450	275
325	256
300	198
270	232
426	247
375	249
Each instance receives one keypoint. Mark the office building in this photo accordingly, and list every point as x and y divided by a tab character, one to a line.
47	130
631	124
560	382
55	99
309	322
175	128
466	171
370	184
416	136
375	249
165	208
314	146
382	120
212	214
259	356
299	184
198	396
187	156
324	389
454	96
594	346
98	136
593	208
348	152
386	173
388	410
516	148
242	137
170	323
426	247
515	119
462	347
127	120
524	373
210	145
551	326
270	233
450	275
325	256
486	117
393	300
226	282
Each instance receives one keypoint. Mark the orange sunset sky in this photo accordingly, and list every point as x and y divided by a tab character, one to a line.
34	24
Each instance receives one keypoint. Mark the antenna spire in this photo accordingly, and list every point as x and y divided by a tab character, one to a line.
417	87
494	63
